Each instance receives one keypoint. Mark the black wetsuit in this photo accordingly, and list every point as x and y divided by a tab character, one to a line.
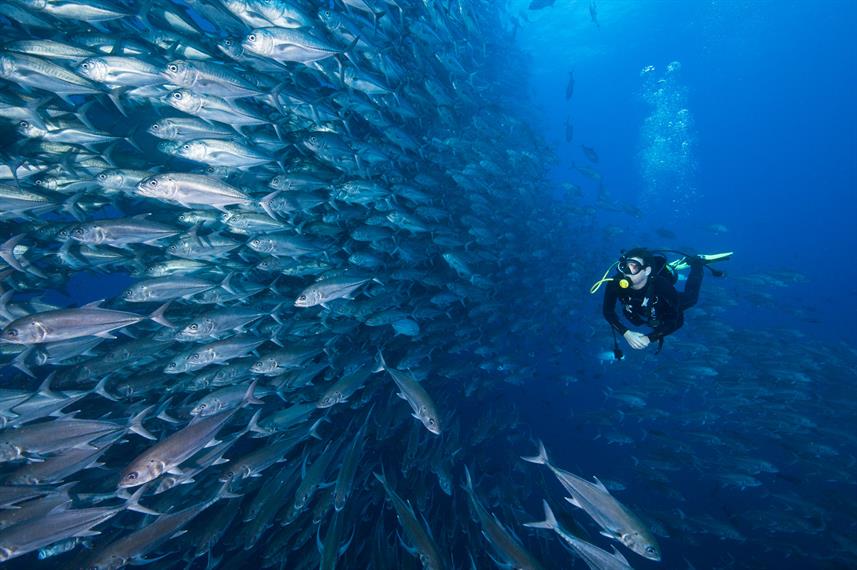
657	305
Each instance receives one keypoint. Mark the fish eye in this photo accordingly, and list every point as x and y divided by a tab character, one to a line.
177	95
302	298
102	176
203	406
153	182
132	476
12	333
85	65
650	550
155	126
251	38
194	327
173	67
24	124
186	147
227	43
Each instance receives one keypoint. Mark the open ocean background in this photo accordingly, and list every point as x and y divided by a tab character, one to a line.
719	126
771	88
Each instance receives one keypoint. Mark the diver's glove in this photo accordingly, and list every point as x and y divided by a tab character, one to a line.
636	340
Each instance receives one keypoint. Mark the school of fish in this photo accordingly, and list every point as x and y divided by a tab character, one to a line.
331	256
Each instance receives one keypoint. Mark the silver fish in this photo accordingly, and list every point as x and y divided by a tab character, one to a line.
192	190
55	526
614	518
595	558
168	454
64	324
415	395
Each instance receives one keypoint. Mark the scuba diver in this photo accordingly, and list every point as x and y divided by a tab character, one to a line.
645	285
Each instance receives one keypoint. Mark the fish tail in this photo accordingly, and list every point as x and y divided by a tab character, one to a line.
381	364
549	522
135	424
249	397
133	503
468	482
159	317
101	389
7	251
541	458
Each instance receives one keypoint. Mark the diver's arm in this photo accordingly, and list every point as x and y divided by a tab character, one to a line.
671	318
609	309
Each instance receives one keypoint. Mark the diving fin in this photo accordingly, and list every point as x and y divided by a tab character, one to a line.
682	263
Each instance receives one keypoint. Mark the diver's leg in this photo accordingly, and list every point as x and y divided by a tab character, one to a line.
694	281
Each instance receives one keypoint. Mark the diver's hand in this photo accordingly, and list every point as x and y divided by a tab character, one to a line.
636	340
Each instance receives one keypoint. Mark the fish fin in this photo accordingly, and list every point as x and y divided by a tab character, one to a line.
102	391
254	426
141	561
115	97
550	519
303	467
618	555
382	365
4	302
265	203
88	533
105	335
411	550
159	317
226	285
248	395
574	502
313	430
93	305
599	484
136	424
133	503
7	253
163	415
175	471
541	458
468	482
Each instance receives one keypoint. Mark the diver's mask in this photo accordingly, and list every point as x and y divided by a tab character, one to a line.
628	266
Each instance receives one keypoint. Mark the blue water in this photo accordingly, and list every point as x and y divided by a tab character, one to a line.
719	126
771	89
